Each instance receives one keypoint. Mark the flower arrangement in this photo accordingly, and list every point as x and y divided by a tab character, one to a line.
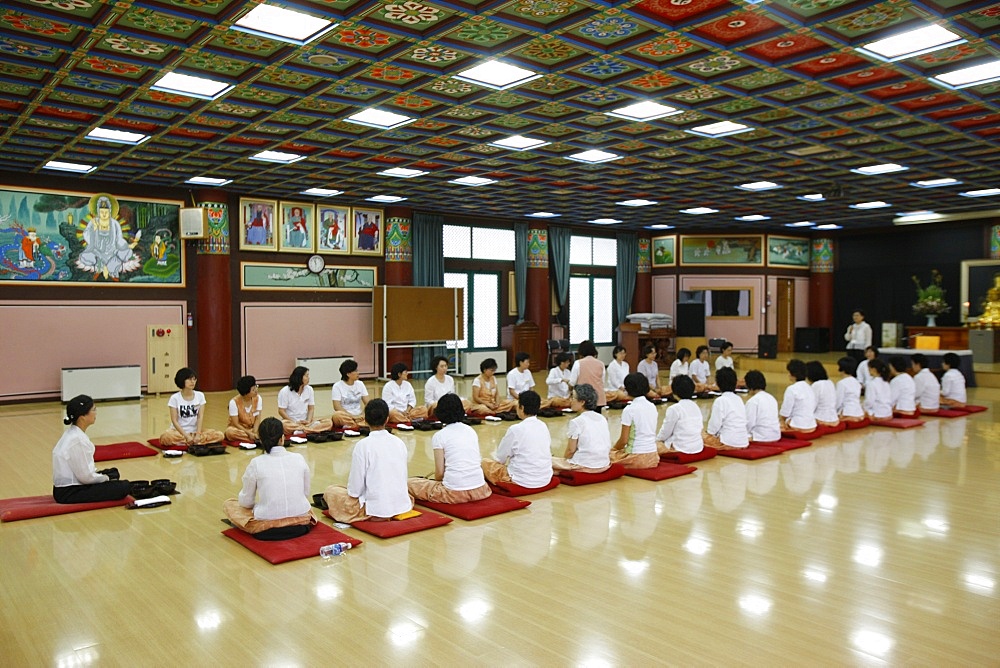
930	300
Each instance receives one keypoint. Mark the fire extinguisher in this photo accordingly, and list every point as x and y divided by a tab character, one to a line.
190	320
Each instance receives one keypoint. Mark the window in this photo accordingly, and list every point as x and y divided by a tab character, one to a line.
481	307
478	243
591	313
594	251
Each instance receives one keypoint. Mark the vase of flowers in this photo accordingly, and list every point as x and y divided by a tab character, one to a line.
930	299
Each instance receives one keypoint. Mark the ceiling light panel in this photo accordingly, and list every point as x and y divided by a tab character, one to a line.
497	75
283	24
912	43
192	86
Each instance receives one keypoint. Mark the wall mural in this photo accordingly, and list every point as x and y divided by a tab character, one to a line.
71	238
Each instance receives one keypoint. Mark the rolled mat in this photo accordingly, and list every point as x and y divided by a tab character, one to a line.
752	451
577	478
474	510
392	528
128	450
280	551
29	507
513	489
687	457
662	471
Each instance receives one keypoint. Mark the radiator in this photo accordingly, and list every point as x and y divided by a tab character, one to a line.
322	370
103	382
472	359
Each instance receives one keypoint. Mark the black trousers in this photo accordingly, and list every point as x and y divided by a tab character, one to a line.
101	491
856	354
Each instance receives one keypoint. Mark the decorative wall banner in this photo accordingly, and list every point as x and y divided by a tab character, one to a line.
538	249
822	256
270	276
398	242
733	250
297	232
217	240
665	251
787	251
644	260
72	238
257	224
366	232
332	228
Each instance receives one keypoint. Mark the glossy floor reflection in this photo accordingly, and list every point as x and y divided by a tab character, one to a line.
873	547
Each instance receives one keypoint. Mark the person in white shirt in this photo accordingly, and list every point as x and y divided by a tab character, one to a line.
485	395
349	396
725	358
524	455
825	393
589	440
399	395
614	381
683	427
849	391
519	379
650	368
376	487
858	335
274	500
245	412
878	396
953	394
926	384
763	422
74	477
680	364
636	445
187	414
902	389
701	371
727	424
871	352
458	475
439	385
297	405
798	406
558	382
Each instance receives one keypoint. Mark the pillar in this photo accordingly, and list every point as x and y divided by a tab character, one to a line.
642	297
821	284
213	306
398	265
538	306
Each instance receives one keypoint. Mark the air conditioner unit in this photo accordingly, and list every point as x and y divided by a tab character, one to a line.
194	222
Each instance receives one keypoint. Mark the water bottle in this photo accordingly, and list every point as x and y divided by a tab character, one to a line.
335	550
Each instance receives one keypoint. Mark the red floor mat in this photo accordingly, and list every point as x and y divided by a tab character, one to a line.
663	471
129	450
280	551
474	510
513	489
29	507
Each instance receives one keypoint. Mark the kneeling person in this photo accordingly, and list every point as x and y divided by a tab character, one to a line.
524	455
458	477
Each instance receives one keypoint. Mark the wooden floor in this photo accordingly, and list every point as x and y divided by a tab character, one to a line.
870	548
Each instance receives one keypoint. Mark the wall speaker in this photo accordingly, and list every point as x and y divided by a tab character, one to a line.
194	222
812	340
691	319
767	346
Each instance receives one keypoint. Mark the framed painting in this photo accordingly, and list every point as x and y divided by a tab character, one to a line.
730	250
288	276
978	278
65	238
366	231
665	251
333	224
792	252
257	224
297	231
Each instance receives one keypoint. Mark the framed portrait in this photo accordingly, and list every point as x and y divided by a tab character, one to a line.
792	252
297	228
271	276
665	251
730	250
366	231
257	224
333	225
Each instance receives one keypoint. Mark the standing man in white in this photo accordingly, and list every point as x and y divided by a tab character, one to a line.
858	335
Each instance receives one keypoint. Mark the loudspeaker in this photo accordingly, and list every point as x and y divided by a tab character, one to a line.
812	340
194	222
767	346
691	320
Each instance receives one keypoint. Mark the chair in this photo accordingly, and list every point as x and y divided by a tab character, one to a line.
554	349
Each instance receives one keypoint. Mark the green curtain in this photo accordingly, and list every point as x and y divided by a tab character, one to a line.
559	240
521	269
428	271
628	264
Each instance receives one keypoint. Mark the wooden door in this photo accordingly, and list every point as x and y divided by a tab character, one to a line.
786	315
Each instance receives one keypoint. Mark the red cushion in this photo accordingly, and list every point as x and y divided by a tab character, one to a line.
155	442
104	453
662	471
904	416
685	458
836	429
28	507
860	424
280	551
946	413
784	444
576	478
426	520
898	423
752	451
474	510
802	435
969	408
513	489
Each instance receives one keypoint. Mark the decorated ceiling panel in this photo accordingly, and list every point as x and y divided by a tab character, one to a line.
813	105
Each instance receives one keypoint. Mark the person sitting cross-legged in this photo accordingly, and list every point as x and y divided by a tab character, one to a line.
589	443
524	455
